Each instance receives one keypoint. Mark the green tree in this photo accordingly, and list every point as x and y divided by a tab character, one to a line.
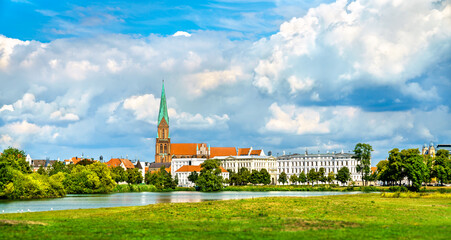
302	178
41	171
343	175
442	166
210	179
283	178
362	153
56	168
312	176
255	177
245	175
265	178
293	179
134	176
119	174
85	162
193	176
330	177
93	178
15	159
416	169
322	175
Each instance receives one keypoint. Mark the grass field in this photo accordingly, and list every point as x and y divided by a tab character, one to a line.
362	216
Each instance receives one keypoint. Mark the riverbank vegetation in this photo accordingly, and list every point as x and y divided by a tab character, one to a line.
330	217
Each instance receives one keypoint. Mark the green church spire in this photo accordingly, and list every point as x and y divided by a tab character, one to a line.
163	107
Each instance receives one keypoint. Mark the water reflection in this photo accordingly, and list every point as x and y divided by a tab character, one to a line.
74	201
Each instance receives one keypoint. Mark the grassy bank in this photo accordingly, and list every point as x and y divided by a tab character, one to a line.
264	188
335	217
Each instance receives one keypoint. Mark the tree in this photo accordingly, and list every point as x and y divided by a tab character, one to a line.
134	176
302	178
293	179
245	175
283	178
118	174
93	178
330	177
210	179
265	178
57	167
382	171
312	176
85	162
255	177
41	171
15	158
343	175
442	166
362	153
321	175
193	176
416	169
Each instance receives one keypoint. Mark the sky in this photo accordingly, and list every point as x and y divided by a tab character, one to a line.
84	77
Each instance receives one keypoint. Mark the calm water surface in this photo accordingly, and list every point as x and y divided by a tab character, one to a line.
74	201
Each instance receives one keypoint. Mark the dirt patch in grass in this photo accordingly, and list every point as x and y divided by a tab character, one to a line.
305	224
16	222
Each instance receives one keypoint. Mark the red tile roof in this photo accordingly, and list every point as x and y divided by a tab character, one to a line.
256	152
183	148
243	151
191	168
222	151
114	162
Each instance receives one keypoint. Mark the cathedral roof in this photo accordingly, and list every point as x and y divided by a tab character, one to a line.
184	148
163	113
222	151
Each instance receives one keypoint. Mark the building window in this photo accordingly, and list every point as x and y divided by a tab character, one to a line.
165	148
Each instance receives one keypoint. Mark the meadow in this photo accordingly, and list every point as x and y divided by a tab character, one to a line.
373	216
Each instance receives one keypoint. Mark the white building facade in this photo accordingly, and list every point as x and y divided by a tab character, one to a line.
250	162
331	162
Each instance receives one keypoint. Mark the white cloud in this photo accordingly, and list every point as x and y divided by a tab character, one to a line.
343	43
7	108
344	122
181	33
146	107
6	50
300	84
208	80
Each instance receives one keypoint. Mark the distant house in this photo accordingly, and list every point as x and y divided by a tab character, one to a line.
183	173
153	167
73	160
37	163
122	162
141	167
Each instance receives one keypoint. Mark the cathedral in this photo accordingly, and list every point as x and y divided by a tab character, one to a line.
165	151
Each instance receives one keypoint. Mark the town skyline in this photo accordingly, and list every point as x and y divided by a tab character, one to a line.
324	75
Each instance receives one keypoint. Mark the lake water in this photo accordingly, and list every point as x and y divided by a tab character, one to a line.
74	201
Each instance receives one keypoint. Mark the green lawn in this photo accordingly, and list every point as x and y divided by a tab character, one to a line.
334	217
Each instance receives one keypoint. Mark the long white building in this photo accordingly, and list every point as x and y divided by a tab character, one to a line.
331	162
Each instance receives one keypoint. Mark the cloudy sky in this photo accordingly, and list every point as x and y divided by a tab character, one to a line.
85	76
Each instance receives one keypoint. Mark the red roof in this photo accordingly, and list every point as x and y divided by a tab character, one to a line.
222	151
191	168
183	148
256	152
243	151
114	162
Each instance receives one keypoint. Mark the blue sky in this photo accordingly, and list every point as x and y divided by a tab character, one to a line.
85	76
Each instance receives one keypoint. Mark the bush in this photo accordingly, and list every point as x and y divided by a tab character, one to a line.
32	186
369	189
397	189
93	178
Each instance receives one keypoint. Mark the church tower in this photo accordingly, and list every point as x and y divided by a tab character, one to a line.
163	141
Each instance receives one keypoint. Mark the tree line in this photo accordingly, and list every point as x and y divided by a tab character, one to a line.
416	169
